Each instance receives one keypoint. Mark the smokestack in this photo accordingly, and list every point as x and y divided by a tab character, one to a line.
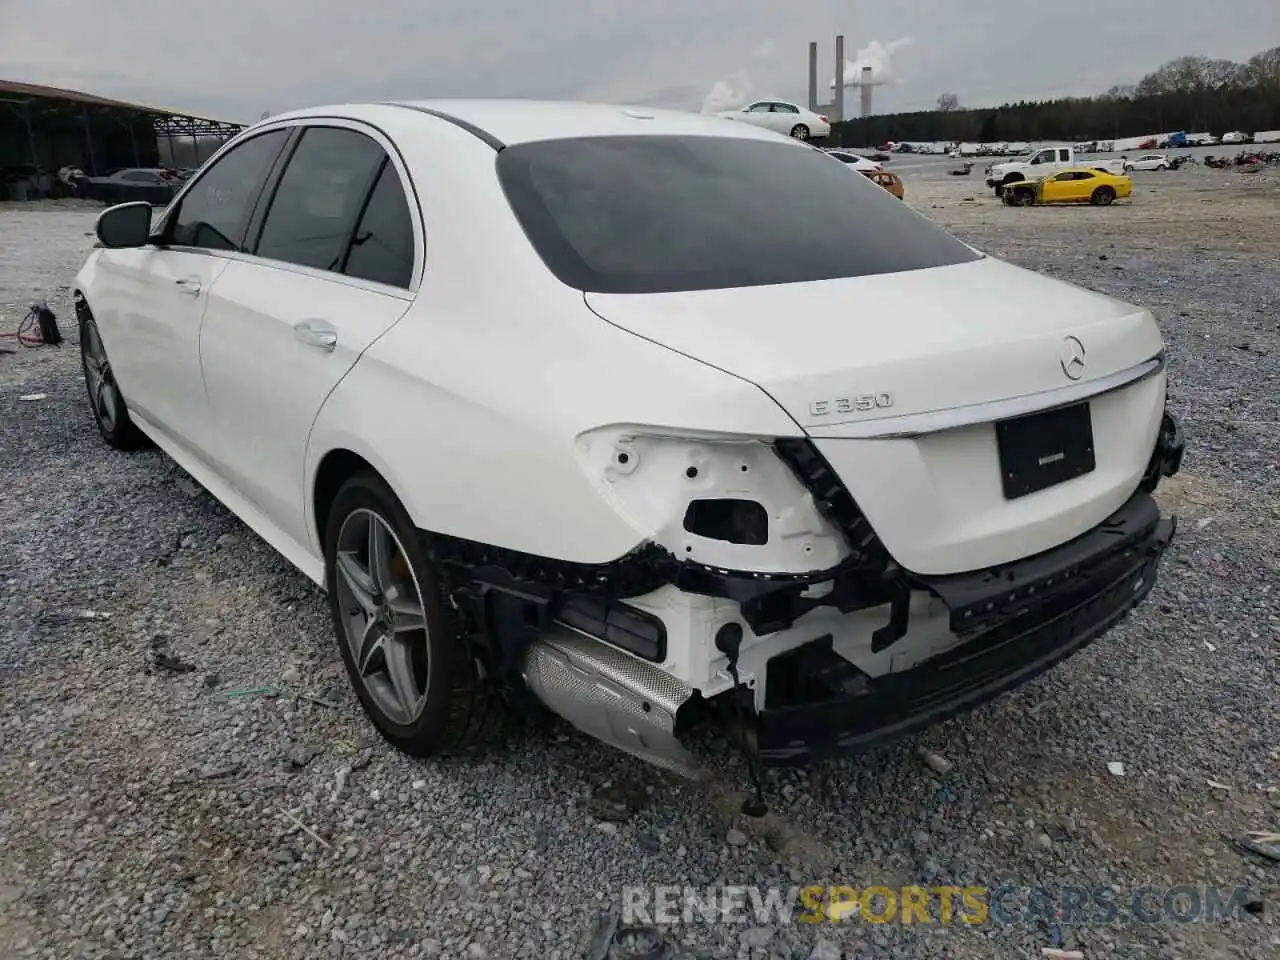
839	104
865	89
813	75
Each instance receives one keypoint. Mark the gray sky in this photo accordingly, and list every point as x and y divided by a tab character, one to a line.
233	59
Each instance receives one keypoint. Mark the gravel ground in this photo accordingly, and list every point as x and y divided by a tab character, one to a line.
244	808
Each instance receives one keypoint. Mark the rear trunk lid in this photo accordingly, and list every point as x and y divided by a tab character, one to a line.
899	379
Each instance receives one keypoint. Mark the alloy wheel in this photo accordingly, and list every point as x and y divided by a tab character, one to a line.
98	378
383	615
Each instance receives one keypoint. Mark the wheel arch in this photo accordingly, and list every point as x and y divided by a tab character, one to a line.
335	468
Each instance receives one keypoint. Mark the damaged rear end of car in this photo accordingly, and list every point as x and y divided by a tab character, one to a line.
965	499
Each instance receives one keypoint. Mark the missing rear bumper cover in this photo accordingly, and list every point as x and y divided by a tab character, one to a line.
978	599
1075	613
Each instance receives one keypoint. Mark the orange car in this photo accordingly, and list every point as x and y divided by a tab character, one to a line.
890	181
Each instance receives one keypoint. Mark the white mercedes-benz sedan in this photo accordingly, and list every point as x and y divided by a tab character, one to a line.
781	116
640	416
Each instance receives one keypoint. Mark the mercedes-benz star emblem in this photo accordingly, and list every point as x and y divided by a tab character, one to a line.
1072	358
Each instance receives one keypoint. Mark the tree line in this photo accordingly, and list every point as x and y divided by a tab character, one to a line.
1193	94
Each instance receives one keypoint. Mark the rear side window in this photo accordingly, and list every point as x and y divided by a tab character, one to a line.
214	213
320	195
382	248
654	214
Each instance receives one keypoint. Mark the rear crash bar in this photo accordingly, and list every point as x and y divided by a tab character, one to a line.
859	711
988	596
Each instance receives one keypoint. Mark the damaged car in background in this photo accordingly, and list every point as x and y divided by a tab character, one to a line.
1077	185
591	408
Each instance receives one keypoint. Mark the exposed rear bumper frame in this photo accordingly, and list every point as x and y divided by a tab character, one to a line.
1064	599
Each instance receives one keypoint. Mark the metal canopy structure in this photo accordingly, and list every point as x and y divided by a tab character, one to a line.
62	126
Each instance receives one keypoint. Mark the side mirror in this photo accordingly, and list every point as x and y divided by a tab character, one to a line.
125	225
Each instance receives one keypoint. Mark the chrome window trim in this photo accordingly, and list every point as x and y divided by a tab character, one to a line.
284	266
937	421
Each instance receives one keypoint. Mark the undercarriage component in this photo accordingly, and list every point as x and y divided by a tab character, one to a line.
813	673
611	696
810	716
624	626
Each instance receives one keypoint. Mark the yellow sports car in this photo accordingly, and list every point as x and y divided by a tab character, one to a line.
1077	185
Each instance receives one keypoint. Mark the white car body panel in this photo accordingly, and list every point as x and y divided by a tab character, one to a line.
152	304
992	347
262	420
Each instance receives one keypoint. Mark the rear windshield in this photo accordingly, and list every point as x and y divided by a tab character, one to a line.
656	214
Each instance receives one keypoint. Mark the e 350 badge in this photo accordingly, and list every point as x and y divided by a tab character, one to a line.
859	403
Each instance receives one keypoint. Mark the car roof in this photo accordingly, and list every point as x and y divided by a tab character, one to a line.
512	121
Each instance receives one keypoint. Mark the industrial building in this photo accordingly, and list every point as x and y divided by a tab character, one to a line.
43	129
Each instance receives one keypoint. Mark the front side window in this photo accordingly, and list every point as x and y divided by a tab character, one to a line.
759	108
214	213
314	209
652	214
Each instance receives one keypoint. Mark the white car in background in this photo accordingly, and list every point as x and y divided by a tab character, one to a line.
854	161
1148	161
781	116
647	417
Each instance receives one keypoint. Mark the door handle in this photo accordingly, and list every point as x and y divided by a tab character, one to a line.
190	285
316	333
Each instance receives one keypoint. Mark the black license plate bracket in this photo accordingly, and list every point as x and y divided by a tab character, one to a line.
1042	450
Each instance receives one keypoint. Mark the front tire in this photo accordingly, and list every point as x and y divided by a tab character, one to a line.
800	132
1103	197
407	659
105	400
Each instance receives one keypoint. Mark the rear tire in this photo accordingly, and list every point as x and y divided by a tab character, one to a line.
110	412
1102	197
800	132
406	657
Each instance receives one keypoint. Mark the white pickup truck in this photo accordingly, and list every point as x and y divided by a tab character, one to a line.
1044	161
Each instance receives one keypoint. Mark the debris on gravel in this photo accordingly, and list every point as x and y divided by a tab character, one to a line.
184	772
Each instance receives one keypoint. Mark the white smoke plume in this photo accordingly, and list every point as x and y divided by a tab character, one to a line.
733	91
728	94
876	55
